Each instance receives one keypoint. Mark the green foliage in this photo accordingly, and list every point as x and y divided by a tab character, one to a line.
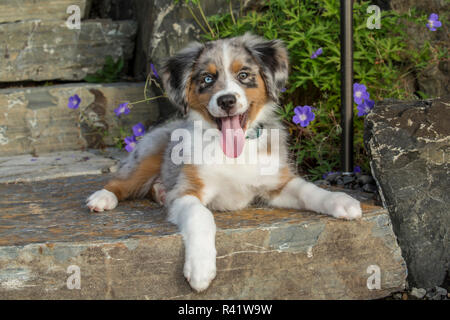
110	72
382	62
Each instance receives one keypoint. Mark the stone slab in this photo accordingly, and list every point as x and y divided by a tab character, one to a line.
37	120
47	50
132	252
409	148
27	168
19	10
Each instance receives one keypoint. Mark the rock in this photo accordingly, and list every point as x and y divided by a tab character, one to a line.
332	177
441	291
37	120
347	179
397	296
365	179
369	188
47	50
112	9
408	144
322	183
437	293
133	252
27	168
418	293
166	27
404	6
434	80
19	10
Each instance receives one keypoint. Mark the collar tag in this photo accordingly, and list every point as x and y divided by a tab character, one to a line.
255	133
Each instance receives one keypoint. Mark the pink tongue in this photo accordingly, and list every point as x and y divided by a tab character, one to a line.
232	137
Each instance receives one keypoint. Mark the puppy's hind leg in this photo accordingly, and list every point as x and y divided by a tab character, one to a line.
136	174
137	185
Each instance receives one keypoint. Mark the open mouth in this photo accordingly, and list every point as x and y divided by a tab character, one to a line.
243	117
232	129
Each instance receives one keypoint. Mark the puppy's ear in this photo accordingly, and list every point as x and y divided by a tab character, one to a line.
273	58
176	73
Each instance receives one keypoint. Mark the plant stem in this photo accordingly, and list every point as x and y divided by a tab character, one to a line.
196	19
204	19
231	12
149	99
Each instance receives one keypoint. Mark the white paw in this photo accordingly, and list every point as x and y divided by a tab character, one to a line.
102	200
341	205
200	268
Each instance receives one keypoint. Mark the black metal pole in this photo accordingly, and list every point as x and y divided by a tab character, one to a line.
347	85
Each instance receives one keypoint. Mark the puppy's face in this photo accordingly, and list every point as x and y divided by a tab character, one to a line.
228	82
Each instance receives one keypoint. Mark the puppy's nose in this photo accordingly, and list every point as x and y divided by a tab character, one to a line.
226	102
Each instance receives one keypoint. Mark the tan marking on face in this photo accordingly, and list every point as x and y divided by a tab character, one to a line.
236	66
195	185
284	175
257	98
129	187
212	68
199	102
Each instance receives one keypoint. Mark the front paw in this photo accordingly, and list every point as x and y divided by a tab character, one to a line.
341	205
102	200
200	268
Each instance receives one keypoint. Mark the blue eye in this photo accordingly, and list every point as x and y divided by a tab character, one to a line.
208	79
243	75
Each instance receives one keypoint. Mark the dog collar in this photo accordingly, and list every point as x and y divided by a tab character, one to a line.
255	133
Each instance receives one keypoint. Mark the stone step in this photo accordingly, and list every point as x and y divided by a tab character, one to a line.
132	252
28	168
37	120
47	50
19	10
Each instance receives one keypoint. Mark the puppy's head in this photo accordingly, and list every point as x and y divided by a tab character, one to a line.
227	81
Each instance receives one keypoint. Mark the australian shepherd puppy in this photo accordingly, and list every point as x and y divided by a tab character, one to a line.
228	150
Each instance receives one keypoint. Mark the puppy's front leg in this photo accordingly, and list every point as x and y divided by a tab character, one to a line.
300	194
198	229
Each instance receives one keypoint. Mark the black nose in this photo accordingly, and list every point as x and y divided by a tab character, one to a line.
226	102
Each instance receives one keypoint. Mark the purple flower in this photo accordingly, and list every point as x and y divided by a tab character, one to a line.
317	53
433	22
138	129
152	66
365	107
74	102
122	109
357	169
283	90
360	93
303	115
130	143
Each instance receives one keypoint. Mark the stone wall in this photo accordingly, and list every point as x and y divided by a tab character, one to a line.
37	44
37	120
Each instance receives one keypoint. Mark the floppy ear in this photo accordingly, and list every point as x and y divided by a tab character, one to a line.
176	73
273	58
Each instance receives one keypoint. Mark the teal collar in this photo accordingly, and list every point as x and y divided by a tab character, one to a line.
255	133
